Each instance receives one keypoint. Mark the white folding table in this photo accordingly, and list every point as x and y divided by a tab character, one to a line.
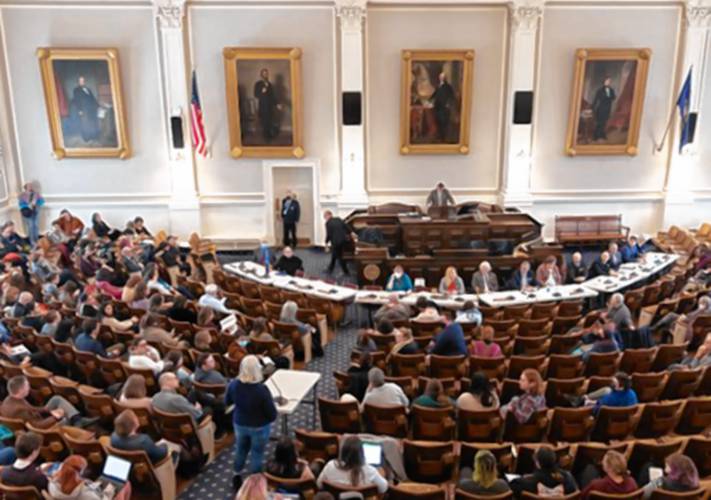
293	385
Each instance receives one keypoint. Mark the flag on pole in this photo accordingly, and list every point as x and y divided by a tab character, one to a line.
684	103
198	127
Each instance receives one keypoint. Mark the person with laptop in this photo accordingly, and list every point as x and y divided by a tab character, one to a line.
68	483
351	467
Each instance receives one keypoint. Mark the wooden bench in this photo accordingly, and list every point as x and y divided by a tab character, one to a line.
589	228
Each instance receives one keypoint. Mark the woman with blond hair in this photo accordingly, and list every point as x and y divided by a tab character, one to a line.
484	479
254	411
532	400
617	478
451	283
254	488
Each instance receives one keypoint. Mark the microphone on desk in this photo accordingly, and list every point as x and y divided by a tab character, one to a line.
279	399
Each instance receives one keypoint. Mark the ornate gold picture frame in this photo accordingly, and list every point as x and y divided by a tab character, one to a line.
435	101
82	92
264	110
607	101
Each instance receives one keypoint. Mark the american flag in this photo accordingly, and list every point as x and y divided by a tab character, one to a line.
198	127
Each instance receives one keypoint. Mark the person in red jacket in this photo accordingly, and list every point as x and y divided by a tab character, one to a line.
617	478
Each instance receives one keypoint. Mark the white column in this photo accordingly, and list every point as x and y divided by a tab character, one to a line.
351	14
524	20
678	192
184	204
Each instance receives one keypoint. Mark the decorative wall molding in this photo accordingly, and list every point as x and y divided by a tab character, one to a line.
698	14
524	16
170	13
351	13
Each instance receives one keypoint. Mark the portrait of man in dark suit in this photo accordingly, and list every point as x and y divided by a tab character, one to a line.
86	106
443	99
264	92
602	108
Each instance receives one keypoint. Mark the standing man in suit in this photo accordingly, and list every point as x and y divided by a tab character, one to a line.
485	280
440	196
290	214
337	235
87	108
443	100
602	108
268	107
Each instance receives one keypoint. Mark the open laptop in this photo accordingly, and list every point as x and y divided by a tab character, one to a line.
115	473
373	453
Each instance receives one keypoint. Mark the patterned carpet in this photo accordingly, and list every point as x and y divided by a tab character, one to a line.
215	482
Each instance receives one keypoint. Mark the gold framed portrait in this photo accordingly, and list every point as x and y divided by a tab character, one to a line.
264	110
82	93
435	101
607	101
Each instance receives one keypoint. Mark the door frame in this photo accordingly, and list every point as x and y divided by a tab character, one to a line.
314	164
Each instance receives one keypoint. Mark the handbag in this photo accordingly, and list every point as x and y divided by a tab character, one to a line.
27	212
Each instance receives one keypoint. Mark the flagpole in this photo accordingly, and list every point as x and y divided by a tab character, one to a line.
660	146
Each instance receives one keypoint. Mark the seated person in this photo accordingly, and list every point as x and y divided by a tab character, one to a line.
619	313
202	342
620	394
485	347
180	312
469	313
631	252
549	479
206	370
680	475
364	343
106	312
617	478
399	281
134	393
24	472
358	376
88	340
481	395
602	338
143	355
212	299
169	252
140	230
286	462
289	263
522	280
126	437
169	401
260	330
699	359
404	342
68	482
429	312
548	273
601	267
615	255
392	310
483	480
152	331
576	272
449	342
57	409
350	468
451	283
434	396
289	311
531	401
383	393
484	280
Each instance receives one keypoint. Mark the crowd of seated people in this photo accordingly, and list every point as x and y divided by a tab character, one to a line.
120	297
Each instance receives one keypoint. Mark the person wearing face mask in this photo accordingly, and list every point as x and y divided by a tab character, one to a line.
290	214
289	263
399	281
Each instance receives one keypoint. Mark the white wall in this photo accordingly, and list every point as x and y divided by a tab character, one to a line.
392	29
75	181
231	199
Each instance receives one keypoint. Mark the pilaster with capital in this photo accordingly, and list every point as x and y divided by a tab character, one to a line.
678	191
524	22
184	205
351	15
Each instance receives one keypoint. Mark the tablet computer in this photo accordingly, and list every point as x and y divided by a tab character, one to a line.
373	453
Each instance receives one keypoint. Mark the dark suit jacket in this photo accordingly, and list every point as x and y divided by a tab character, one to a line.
599	269
515	281
21	409
337	231
291	214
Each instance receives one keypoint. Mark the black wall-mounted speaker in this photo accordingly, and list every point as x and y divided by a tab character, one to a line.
692	125
523	107
176	131
352	111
